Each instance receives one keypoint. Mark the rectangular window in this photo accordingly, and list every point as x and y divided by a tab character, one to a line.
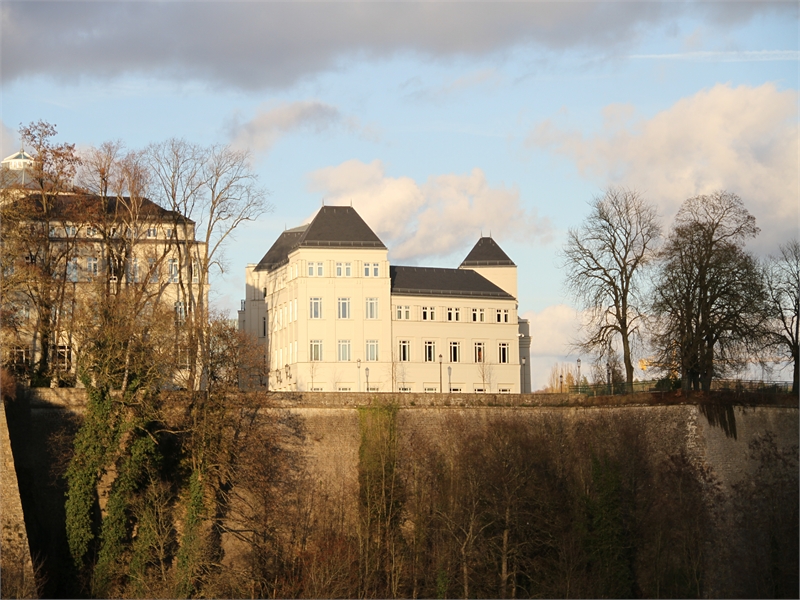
404	389
502	316
195	271
315	269
403	313
372	308
343	269
344	350
479	390
91	268
152	232
152	269
132	276
72	270
478	315
91	231
404	351
455	352
348	269
172	270
343	311
168	233
372	350
263	326
180	312
453	314
505	316
315	308
430	351
479	352
428	313
371	269
502	353
316	350
339	269
62	356
71	230
431	390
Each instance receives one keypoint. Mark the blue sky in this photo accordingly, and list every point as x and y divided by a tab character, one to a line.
439	121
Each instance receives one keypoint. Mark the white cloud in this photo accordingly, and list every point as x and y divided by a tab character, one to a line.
262	131
553	329
741	139
447	213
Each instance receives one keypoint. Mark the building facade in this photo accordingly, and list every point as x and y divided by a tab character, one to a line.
62	249
333	315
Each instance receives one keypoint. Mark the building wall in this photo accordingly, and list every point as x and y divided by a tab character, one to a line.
277	312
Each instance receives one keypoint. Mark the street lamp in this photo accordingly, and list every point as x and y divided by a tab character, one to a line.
579	375
358	364
561	382
524	376
608	378
440	373
366	372
449	380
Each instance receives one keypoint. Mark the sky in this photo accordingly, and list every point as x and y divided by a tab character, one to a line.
439	121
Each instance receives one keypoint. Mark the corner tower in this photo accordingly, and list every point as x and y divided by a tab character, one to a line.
488	260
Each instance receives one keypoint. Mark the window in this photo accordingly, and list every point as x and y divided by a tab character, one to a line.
343	350
403	313
343	310
430	351
172	270
62	356
315	308
152	269
132	276
152	232
168	233
428	313
195	271
180	312
72	270
372	308
479	352
502	316
71	230
431	390
91	231
453	314
343	269
315	269
372	350
343	389
263	326
504	390
502	353
479	390
455	352
371	269
404	351
316	350
91	268
404	389
477	315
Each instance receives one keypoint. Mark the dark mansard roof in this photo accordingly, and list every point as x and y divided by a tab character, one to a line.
486	253
428	281
332	227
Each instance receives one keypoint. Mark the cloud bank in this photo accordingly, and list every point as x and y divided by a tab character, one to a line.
255	45
445	214
741	139
261	132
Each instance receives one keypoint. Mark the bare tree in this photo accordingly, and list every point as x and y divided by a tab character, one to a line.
708	300
604	260
782	283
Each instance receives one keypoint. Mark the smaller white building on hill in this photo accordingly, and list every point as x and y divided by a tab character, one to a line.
333	315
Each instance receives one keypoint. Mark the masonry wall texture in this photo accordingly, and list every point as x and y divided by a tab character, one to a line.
716	436
17	571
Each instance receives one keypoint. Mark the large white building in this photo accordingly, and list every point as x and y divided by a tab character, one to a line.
334	315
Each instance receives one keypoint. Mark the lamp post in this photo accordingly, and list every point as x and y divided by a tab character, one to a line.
524	376
579	375
449	380
561	382
366	373
358	364
440	373
608	378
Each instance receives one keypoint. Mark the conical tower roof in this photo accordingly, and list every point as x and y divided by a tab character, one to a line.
486	253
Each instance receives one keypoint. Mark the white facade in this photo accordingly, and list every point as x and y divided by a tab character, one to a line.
333	315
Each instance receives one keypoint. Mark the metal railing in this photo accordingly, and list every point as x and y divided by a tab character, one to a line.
665	385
